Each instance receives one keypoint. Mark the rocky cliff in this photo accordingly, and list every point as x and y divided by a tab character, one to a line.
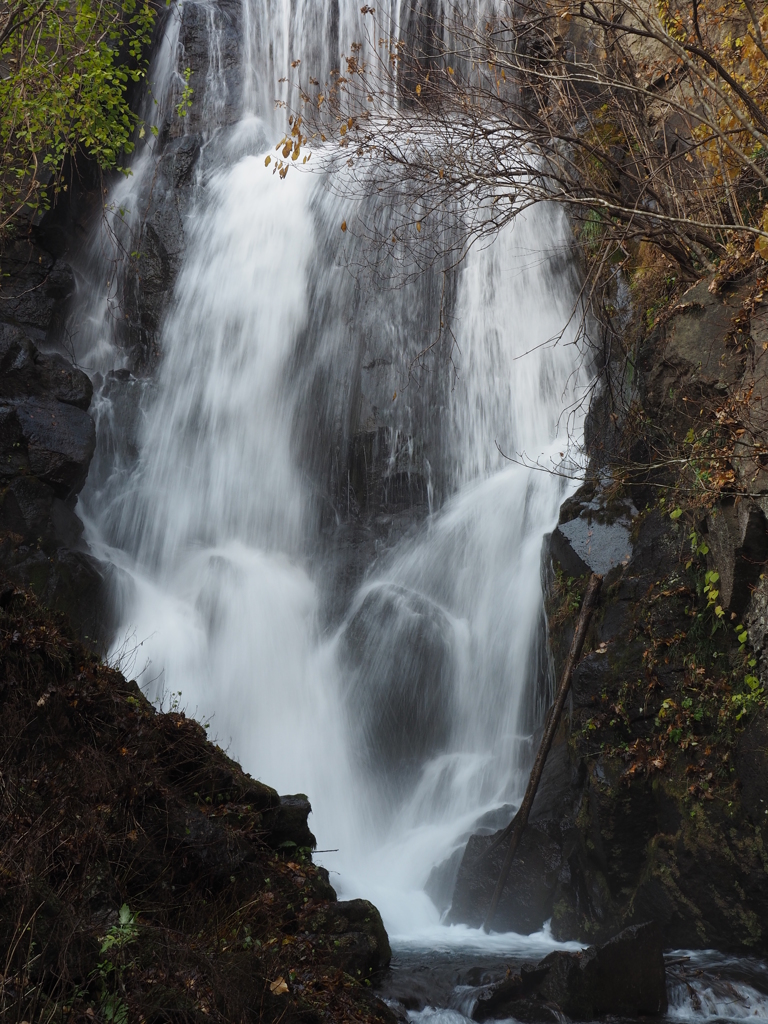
47	438
654	803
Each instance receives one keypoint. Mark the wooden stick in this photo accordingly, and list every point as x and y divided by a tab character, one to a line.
517	826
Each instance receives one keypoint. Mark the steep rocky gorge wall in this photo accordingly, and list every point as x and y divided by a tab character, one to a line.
654	801
47	437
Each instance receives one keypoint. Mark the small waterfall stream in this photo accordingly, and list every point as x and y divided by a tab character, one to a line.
370	636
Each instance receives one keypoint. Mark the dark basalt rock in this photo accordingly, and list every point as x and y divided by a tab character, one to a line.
397	647
358	935
26	371
591	537
288	823
529	895
45	431
546	866
60	440
751	762
627	834
47	440
36	285
624	977
639	843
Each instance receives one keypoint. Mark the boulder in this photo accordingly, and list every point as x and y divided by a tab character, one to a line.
592	535
288	823
544	863
738	544
624	977
528	897
396	648
359	937
46	434
36	287
60	440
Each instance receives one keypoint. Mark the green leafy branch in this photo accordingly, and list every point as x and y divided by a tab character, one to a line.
65	69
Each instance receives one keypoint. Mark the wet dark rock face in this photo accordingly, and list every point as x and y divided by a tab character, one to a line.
625	976
37	282
591	536
396	648
47	440
624	835
546	868
656	793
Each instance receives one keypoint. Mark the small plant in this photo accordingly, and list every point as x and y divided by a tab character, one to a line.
109	971
185	101
749	699
566	597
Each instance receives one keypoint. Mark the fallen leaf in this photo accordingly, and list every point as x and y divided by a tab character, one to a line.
279	987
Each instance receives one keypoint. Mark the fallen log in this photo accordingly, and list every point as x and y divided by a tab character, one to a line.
516	827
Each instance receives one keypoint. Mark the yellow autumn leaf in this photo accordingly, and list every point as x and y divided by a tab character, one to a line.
343	225
418	90
761	242
268	161
278	987
418	225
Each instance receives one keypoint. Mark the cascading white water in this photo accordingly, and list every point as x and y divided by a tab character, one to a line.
410	715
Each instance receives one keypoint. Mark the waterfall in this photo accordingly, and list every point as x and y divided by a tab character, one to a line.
319	548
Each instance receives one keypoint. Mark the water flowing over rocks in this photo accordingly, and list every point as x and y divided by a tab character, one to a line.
546	869
624	977
307	523
293	480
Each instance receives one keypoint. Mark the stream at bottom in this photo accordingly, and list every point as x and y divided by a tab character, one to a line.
444	978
